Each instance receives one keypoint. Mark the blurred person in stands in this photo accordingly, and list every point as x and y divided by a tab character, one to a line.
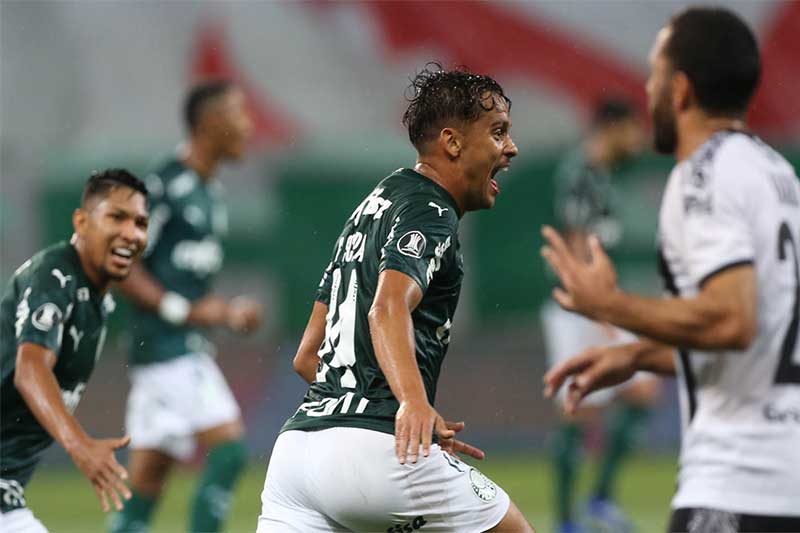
587	204
366	450
53	318
729	237
179	398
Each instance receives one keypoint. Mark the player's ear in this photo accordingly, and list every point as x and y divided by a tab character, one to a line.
451	142
79	221
682	91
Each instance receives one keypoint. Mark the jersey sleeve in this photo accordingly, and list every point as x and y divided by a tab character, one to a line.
160	210
324	288
44	306
418	241
717	231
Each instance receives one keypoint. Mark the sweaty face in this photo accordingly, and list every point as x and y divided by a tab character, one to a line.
659	97
231	124
487	149
113	232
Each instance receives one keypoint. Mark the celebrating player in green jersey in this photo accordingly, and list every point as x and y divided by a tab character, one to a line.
359	453
179	397
53	317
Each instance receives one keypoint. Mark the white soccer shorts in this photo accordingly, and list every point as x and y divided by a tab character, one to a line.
20	521
349	479
171	401
567	334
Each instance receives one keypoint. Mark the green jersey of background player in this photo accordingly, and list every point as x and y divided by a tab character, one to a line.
53	317
178	397
379	331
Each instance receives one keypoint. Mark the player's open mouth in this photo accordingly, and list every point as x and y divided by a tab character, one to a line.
493	182
123	257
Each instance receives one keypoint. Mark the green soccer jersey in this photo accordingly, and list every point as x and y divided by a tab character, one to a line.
50	302
188	218
586	200
408	223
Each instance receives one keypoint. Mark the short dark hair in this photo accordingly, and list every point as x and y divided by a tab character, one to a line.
611	110
102	183
199	97
436	95
718	52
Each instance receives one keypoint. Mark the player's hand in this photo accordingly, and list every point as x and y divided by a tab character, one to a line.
95	458
209	311
454	446
244	314
414	425
593	369
587	285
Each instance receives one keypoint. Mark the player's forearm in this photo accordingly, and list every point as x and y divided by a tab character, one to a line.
142	288
37	385
655	357
701	323
392	332
306	360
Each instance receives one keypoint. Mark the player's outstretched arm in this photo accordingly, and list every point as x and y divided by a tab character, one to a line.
605	366
36	383
721	316
241	314
306	360
392	331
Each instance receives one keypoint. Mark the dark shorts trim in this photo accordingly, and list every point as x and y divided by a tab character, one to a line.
703	520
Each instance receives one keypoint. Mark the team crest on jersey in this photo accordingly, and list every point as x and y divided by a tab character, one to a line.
412	244
484	488
46	316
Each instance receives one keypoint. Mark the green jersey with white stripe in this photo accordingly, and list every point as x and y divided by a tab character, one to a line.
49	301
586	200
188	218
408	223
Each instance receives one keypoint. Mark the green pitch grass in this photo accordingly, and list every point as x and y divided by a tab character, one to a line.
65	502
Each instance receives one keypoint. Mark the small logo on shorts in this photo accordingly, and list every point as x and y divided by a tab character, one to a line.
12	495
412	244
484	488
412	525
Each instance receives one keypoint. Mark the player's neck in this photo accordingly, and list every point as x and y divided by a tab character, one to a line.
696	128
201	158
99	281
443	179
599	153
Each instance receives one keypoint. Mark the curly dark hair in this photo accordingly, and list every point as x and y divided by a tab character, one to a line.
102	183
437	96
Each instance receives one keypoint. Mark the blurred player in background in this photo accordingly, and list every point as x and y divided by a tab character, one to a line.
357	455
53	317
586	204
730	248
179	397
